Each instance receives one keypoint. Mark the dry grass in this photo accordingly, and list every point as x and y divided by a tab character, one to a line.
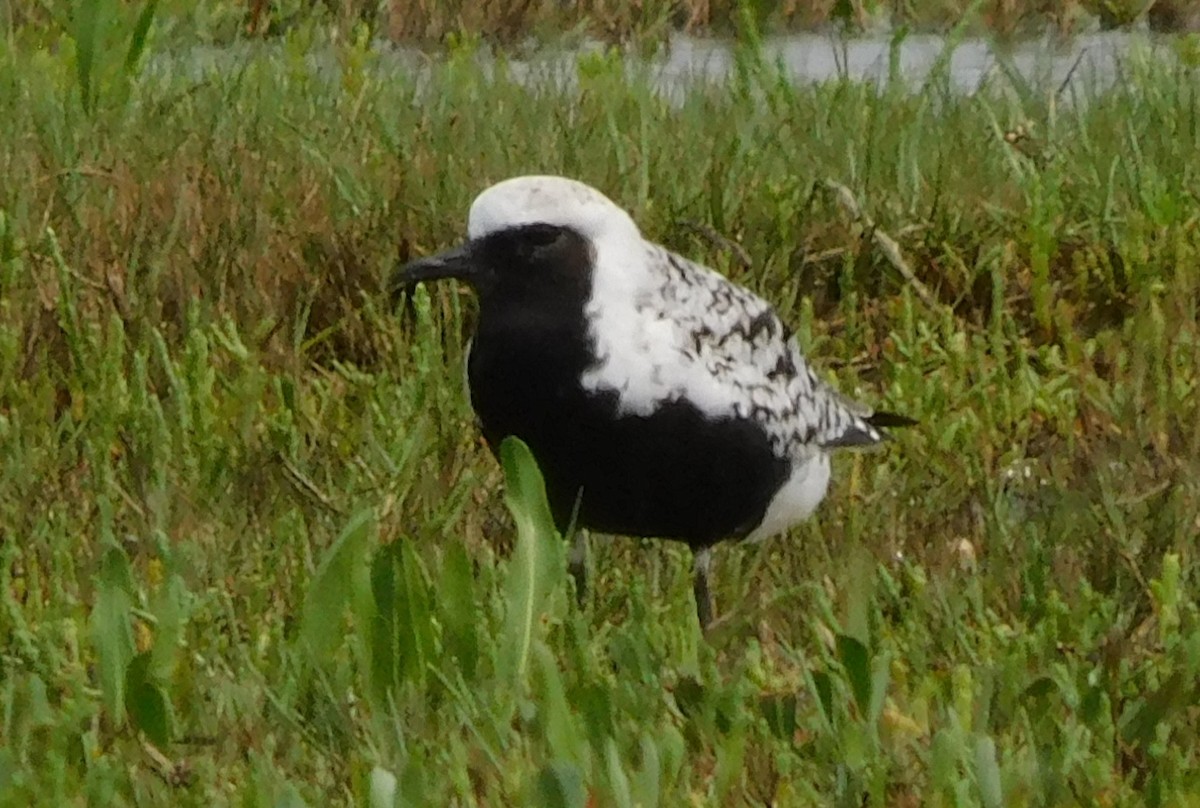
621	20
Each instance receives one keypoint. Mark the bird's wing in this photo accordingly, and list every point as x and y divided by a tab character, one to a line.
731	355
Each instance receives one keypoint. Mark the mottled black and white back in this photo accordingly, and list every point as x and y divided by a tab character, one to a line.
659	398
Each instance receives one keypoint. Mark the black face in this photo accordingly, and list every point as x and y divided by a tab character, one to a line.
530	262
536	259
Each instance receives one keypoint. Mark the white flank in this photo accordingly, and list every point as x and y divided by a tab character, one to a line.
797	498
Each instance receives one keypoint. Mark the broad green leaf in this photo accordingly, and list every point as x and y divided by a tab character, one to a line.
618	781
672	753
690	695
25	710
139	36
115	571
860	592
731	763
563	735
384	639
779	709
537	565
594	702
1040	688
86	33
854	746
36	707
111	629
962	683
332	591
1165	592
648	780
146	702
856	661
944	756
987	772
458	610
170	611
560	785
823	689
402	639
414	781
416	627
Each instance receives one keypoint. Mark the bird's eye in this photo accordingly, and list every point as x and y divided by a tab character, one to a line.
542	235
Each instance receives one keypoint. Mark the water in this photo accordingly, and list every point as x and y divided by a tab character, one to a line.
813	58
1090	62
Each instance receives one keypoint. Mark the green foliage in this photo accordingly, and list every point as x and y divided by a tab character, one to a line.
537	567
460	613
337	583
110	38
146	701
402	644
111	630
252	550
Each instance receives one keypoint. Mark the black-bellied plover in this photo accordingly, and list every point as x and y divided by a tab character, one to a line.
659	398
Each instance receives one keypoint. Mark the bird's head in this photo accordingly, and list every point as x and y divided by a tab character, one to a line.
527	233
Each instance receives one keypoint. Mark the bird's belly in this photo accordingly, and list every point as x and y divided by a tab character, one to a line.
797	498
671	474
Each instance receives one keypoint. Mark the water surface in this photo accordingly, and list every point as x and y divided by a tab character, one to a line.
1090	62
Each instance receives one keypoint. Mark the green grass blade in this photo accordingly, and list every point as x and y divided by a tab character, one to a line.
140	36
537	564
88	19
333	589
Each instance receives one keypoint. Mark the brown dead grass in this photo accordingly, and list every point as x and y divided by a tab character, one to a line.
512	20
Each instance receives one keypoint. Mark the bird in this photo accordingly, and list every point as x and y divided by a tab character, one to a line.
660	399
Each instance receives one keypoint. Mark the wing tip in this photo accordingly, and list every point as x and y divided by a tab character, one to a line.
869	431
890	419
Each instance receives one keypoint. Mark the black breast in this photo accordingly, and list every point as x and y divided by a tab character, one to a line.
673	474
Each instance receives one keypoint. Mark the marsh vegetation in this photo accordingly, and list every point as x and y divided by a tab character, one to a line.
252	549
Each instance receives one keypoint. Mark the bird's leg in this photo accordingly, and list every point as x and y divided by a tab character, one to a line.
577	565
702	561
577	560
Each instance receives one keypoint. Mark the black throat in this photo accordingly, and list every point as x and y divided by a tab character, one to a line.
531	345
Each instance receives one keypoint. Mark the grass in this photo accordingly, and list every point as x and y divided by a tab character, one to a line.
253	551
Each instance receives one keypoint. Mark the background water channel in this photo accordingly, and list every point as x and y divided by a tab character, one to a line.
1091	62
